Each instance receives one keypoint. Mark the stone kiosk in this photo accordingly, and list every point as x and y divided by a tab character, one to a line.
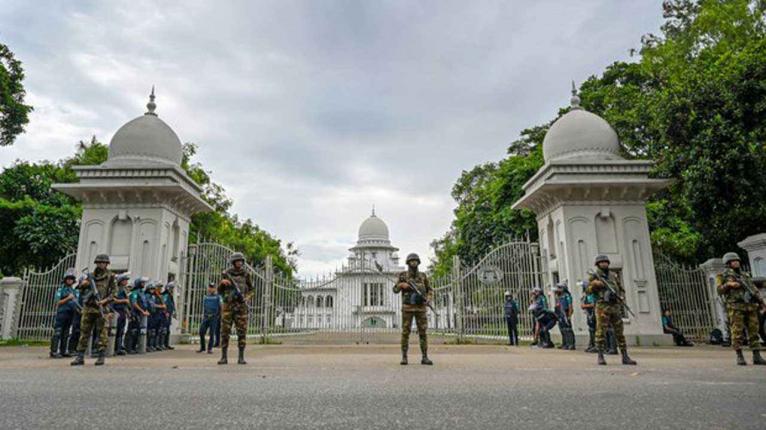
589	200
138	204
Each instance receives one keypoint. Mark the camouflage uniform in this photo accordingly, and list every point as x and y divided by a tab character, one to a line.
91	319
413	307
235	308
741	310
607	314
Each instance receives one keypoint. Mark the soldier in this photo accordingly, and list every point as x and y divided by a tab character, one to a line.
511	314
66	312
416	295
544	319
120	306
168	298
606	286
211	314
588	304
564	310
236	288
96	290
137	313
742	303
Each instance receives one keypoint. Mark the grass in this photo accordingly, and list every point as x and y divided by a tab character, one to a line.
22	342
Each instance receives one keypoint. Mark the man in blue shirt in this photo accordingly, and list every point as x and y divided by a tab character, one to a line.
211	313
511	314
563	312
670	328
544	318
120	306
137	314
66	313
588	304
168	298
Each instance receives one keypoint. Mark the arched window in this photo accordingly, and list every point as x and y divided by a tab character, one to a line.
320	301
303	301
329	301
310	301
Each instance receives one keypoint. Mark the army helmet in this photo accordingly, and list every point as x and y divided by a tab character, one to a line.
729	257
70	274
237	256
411	257
101	258
599	258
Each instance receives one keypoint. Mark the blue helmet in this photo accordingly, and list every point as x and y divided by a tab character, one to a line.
138	283
122	277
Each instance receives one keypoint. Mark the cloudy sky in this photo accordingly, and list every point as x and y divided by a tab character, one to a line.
310	112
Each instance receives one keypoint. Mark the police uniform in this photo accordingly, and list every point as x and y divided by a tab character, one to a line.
170	309
511	315
563	311
65	316
211	313
137	308
122	314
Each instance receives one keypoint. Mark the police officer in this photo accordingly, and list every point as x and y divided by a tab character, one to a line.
563	311
137	314
236	288
66	312
742	304
608	307
97	292
120	307
416	295
211	314
511	315
161	315
153	306
168	298
588	304
544	319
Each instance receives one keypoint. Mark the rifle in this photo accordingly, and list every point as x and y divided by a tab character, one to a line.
93	294
611	291
422	296
750	290
237	290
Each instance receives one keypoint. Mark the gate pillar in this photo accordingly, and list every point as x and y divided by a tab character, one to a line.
10	289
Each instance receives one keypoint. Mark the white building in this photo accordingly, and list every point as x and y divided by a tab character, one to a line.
361	293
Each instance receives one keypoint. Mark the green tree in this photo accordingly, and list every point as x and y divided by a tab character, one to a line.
14	114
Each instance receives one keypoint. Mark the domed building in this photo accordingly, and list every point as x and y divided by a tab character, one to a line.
360	294
590	200
137	205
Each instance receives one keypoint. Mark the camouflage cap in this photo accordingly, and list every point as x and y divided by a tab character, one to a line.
412	257
599	258
101	258
729	257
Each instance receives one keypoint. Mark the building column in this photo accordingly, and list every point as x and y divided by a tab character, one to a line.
10	288
712	268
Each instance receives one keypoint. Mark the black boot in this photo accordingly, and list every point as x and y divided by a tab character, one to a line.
160	342
224	359
741	358
150	334
55	346
201	344
626	360
404	357
600	360
167	341
241	359
757	359
119	347
131	342
100	360
79	360
425	360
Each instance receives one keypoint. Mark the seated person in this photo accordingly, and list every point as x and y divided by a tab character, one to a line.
668	327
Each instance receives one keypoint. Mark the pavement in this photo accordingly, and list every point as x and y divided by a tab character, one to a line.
364	387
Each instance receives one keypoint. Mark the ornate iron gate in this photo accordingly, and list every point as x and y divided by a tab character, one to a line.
36	309
684	290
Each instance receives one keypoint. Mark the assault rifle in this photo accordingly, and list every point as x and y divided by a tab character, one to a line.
611	291
94	295
237	290
414	287
750	291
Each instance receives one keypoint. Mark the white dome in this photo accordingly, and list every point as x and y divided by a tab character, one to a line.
581	134
145	140
373	228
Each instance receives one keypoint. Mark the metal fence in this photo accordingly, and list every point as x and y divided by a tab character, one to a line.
683	289
37	307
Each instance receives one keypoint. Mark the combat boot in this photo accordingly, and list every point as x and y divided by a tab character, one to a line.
55	346
601	360
79	360
167	342
426	361
160	342
741	358
404	357
241	359
150	336
201	344
100	360
626	360
224	359
757	359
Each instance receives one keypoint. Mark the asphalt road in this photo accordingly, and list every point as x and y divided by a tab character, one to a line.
361	387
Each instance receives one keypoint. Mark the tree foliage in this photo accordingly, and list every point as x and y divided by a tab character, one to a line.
14	114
